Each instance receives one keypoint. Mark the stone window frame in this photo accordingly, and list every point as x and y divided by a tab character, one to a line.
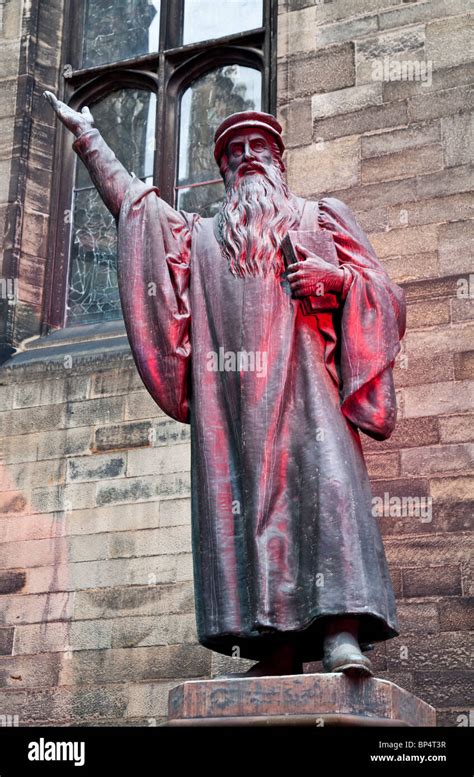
169	72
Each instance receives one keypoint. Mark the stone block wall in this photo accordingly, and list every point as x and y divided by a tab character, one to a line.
96	604
96	600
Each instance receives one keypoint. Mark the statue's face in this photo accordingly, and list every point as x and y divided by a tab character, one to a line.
249	151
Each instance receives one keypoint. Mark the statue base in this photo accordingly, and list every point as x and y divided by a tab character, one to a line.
332	699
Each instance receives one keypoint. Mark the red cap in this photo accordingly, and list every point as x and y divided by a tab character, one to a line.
237	121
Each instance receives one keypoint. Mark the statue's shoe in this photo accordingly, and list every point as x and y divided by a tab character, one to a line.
343	654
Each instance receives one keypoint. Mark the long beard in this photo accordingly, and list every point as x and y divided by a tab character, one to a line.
256	214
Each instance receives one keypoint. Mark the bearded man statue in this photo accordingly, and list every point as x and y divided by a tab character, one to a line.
289	565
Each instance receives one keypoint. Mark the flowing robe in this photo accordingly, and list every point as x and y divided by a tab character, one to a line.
283	532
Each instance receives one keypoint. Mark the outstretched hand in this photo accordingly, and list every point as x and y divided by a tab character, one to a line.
77	122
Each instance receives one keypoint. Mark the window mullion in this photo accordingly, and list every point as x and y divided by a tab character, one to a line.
173	24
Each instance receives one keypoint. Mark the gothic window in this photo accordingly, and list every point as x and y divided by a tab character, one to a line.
158	78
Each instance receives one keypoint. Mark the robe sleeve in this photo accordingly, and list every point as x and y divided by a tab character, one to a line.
108	175
153	268
372	324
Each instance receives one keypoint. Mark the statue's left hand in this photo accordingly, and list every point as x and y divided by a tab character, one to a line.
313	276
77	122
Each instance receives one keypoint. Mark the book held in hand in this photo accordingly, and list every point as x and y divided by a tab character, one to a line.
321	243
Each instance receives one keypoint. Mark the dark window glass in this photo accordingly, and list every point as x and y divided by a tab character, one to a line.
207	19
204	105
126	119
119	29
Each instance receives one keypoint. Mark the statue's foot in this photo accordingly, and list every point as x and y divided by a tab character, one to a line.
342	652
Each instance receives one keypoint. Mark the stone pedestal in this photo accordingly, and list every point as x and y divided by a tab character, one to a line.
331	699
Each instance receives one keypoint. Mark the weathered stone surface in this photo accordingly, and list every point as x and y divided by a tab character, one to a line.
95	467
36	671
405	15
409	240
429	550
444	688
432	581
457	614
428	313
426	159
404	44
437	398
456	428
419	370
100	634
29	609
347	100
139	600
336	163
157	461
445	651
418	618
346	30
394	141
94	411
66	703
174	512
443	78
114	382
450	181
370	195
64	442
366	120
462	309
464	365
455	246
452	488
296	121
458	139
447	102
143	489
323	71
409	433
448	41
457	339
139	404
424	265
435	459
6	641
133	665
383	465
12	581
145	570
454	207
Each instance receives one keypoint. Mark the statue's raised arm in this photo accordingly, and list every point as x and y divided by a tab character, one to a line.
152	265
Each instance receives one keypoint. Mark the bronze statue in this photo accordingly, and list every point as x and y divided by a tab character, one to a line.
289	565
